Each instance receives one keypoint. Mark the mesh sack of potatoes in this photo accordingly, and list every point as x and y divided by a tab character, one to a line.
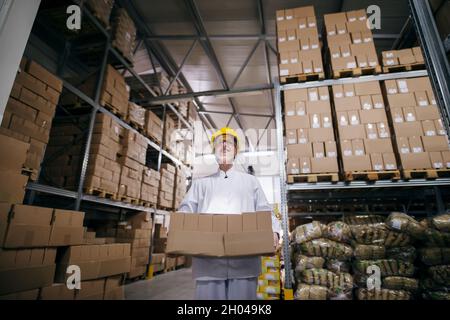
363	219
320	277
441	222
379	234
309	231
440	274
388	267
327	249
337	266
382	294
407	253
338	231
303	262
368	251
435	238
436	295
400	283
311	292
403	223
434	256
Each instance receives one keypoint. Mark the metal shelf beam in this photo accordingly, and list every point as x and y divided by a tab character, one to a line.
377	77
364	184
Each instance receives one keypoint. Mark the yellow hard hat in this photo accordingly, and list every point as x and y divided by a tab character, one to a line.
223	131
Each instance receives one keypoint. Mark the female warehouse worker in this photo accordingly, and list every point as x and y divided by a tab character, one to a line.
227	191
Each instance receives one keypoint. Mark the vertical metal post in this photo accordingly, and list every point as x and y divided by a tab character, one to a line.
161	145
440	206
91	127
436	60
283	191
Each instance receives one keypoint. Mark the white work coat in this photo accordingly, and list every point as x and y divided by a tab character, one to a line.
232	192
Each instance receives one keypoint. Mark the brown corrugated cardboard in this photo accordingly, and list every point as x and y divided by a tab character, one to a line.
421	98
219	244
57	291
378	146
437	143
376	160
14	159
12	188
401	100
371	131
358	147
292	166
324	165
297	122
366	102
291	136
409	114
408	129
24	295
346	148
436	160
397	115
367	88
318	150
429	128
389	161
67	228
91	290
415	160
391	87
383	130
347	104
305	164
315	121
321	135
330	149
373	116
403	145
319	107
299	150
352	132
440	130
302	135
356	163
427	113
342	118
446	158
353	118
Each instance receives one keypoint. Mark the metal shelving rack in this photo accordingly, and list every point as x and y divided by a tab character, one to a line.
439	72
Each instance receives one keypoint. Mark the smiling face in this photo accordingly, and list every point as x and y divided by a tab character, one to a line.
225	149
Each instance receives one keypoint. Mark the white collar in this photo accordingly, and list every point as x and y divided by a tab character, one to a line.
224	174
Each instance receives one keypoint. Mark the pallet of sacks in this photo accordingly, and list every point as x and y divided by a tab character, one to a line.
269	284
31	238
311	144
300	57
166	186
365	143
421	139
137	231
403	60
64	156
30	110
350	46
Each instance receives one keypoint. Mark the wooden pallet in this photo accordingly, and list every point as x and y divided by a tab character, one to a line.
126	199
372	175
169	269
100	193
302	77
31	173
425	173
404	67
136	126
161	207
146	204
136	278
153	138
313	177
356	72
113	110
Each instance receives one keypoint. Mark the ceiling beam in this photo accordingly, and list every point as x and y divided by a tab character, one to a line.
242	114
241	37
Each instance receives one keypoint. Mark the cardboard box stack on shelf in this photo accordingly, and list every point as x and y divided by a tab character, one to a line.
179	189
12	188
421	139
64	155
136	116
166	186
269	285
159	239
158	262
137	231
311	146
350	44
298	43
403	60
100	9
153	126
29	239
132	160
124	34
30	110
364	135
170	135
150	185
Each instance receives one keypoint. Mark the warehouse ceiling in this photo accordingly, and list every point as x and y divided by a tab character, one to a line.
237	50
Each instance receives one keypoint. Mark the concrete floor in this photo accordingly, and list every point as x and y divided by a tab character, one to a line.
173	285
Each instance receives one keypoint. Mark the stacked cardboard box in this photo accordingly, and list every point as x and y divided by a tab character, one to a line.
136	115
311	146
28	239
170	133
179	188
12	188
124	33
96	261
150	185
137	231
421	138
90	237
133	158
158	261
402	57
30	110
364	134
192	113
101	10
166	186
103	172
298	42
269	285
350	41
160	239
153	126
